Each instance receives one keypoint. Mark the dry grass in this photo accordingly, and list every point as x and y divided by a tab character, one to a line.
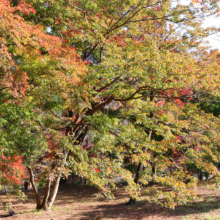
78	203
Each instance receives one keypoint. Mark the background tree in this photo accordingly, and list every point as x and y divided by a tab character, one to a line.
12	171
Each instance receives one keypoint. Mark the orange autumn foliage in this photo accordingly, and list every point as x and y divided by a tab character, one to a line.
21	44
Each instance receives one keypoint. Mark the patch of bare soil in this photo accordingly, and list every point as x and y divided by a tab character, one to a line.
78	203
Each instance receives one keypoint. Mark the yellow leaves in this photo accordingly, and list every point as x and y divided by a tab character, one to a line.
143	158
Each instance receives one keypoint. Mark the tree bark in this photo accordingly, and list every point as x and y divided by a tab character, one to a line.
139	168
200	175
37	197
46	195
50	198
53	193
132	201
153	170
206	175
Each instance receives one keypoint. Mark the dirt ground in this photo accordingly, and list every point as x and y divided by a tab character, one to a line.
77	203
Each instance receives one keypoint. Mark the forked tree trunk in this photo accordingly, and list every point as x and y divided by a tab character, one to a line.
49	195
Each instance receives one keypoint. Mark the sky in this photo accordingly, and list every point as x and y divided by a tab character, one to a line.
214	40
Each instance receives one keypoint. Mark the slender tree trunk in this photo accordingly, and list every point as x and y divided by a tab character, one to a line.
47	192
50	197
132	201
53	193
84	181
200	175
46	195
139	168
153	170
37	197
206	175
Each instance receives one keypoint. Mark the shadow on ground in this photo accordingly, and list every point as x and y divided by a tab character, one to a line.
144	210
4	216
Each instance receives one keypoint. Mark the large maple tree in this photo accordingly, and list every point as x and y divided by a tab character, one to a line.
127	75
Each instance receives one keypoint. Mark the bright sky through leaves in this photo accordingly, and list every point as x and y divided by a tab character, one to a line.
214	40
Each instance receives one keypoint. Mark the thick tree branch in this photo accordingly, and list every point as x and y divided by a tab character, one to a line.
99	106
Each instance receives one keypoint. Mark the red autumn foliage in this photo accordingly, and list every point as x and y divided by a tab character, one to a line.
97	170
12	170
180	103
160	103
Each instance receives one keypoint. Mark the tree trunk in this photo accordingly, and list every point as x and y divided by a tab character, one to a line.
53	193
84	181
137	176
37	197
140	167
46	195
51	197
200	175
153	170
206	175
132	201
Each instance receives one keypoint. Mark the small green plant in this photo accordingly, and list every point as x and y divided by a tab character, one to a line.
52	208
8	206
